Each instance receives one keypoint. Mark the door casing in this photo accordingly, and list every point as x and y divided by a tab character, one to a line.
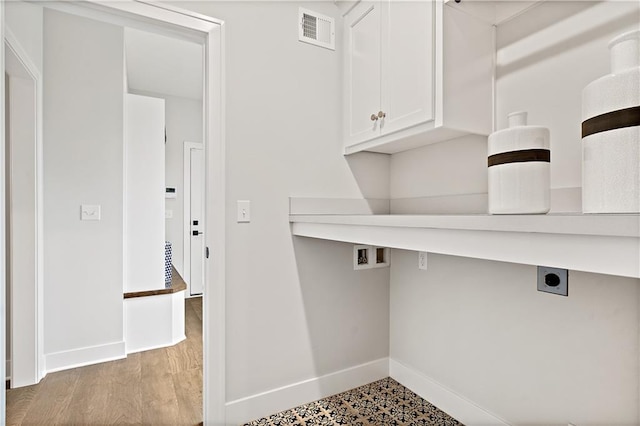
34	329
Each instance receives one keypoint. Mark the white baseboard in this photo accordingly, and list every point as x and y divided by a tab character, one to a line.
445	399
84	356
253	407
8	370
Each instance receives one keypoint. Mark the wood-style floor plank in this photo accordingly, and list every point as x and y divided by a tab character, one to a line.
52	399
183	357
90	399
159	401
157	387
153	362
196	304
188	387
20	399
108	393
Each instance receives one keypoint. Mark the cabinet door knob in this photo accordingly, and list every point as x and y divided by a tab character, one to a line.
374	117
381	114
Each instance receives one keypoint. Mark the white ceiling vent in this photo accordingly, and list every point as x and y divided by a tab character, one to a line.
316	29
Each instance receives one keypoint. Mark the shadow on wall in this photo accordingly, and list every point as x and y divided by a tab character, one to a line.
347	311
566	44
372	173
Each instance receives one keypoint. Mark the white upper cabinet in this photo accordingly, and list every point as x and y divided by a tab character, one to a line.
416	72
407	70
363	24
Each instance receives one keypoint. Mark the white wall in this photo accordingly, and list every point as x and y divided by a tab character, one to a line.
25	21
422	173
295	309
480	328
184	124
144	193
446	177
83	155
543	68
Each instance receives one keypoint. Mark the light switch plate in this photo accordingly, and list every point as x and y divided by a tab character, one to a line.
90	212
244	211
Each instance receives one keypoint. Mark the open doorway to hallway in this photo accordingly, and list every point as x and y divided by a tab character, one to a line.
171	70
183	360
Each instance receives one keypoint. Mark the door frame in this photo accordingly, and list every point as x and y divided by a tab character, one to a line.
211	32
3	235
12	44
186	208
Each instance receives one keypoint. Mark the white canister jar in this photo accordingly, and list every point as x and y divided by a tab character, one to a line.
519	168
611	133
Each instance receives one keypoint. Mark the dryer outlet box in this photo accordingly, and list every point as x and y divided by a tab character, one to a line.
553	280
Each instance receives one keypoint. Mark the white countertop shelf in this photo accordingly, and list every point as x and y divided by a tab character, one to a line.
606	244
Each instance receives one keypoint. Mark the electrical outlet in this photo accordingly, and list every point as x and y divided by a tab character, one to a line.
422	260
553	280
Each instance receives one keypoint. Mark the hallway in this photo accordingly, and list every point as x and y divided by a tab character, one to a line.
157	387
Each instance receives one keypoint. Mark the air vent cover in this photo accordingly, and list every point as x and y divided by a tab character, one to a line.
316	29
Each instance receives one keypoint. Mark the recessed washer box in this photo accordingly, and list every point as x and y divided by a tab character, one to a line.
367	257
362	257
553	280
381	257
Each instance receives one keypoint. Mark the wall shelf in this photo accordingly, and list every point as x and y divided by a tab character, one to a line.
606	244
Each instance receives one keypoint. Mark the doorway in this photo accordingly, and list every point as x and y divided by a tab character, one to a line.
195	250
210	33
23	220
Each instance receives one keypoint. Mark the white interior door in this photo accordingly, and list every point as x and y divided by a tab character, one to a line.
196	176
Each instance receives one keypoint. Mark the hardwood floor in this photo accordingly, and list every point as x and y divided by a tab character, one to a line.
158	387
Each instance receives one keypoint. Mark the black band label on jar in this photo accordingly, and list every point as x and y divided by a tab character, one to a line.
627	117
521	156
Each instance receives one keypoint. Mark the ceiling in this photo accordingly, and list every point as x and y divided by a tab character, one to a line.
163	65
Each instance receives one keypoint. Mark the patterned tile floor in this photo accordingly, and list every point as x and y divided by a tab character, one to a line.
382	403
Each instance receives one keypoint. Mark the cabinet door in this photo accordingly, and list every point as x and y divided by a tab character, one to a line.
407	63
362	72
